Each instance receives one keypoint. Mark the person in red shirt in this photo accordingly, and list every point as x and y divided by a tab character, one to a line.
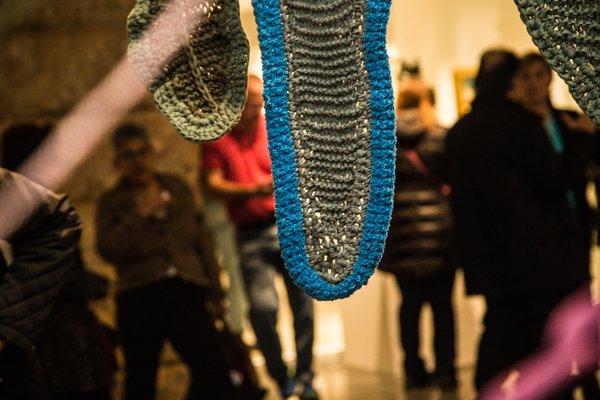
237	169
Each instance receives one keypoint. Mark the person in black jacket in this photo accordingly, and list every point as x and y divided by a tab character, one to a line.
419	246
39	231
76	351
148	227
563	128
519	208
73	347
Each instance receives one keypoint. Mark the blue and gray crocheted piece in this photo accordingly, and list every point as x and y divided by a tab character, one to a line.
202	89
568	35
331	127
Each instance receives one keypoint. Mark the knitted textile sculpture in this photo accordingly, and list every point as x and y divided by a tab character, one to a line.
331	127
568	34
202	87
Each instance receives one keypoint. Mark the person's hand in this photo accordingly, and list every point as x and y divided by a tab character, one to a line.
580	123
592	172
152	201
264	189
218	306
2	345
415	85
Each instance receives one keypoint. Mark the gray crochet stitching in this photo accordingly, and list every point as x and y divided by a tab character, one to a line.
202	90
329	104
568	34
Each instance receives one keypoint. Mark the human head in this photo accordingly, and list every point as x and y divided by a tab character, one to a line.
253	106
134	154
534	79
496	75
411	98
408	100
20	141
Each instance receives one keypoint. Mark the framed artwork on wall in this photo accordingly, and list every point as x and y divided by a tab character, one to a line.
464	86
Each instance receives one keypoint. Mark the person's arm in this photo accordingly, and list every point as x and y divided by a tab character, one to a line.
42	251
528	148
580	134
217	184
84	285
579	123
122	235
203	241
207	252
203	244
228	190
3	268
435	159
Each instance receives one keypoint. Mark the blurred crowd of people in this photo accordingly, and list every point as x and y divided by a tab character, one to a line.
502	195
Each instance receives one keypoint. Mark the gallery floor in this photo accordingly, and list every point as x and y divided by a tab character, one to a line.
333	381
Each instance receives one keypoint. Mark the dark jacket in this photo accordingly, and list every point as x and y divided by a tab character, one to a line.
144	249
515	230
419	243
42	245
75	351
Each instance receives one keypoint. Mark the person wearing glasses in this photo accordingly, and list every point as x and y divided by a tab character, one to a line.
148	228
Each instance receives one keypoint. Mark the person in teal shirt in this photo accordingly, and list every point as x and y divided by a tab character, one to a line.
564	128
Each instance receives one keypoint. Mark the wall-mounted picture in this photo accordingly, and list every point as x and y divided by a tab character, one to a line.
464	86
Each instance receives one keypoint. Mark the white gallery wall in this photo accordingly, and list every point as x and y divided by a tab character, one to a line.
442	35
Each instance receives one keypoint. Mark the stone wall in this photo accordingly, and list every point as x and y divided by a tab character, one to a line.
57	55
60	51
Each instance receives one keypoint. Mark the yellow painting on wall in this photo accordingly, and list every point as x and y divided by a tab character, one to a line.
464	86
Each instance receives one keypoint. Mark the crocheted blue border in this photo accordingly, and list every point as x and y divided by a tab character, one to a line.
281	146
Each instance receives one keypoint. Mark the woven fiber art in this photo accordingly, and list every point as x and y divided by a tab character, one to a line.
568	35
331	127
202	87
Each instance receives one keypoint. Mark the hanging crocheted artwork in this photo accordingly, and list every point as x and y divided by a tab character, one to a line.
331	128
568	35
195	64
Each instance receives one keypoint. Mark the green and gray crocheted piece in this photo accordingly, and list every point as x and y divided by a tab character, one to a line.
568	35
202	89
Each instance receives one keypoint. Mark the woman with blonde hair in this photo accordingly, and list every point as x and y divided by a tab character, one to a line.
418	250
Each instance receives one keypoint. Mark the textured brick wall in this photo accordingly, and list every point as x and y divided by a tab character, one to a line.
59	53
48	62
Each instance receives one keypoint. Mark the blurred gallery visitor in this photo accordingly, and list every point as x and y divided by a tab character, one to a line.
75	350
237	169
521	216
168	283
35	260
419	245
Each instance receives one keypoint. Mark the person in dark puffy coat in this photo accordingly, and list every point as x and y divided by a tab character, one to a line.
76	351
73	349
39	232
419	246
